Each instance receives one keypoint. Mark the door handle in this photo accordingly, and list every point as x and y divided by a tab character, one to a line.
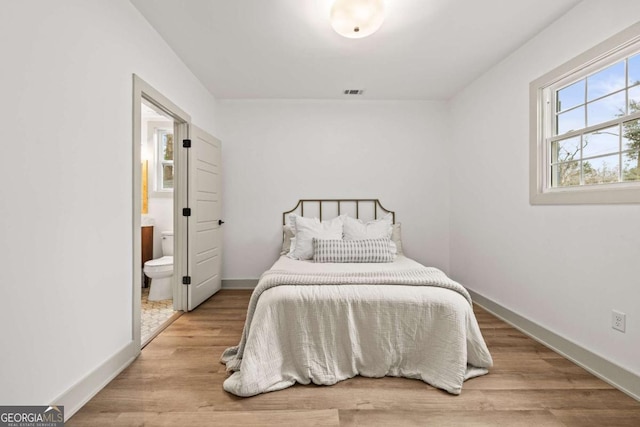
220	222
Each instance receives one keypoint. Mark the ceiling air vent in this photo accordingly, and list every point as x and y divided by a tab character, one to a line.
353	91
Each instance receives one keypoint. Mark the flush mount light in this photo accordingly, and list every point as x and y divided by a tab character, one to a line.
357	18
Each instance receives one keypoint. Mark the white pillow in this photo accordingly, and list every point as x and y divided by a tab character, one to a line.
307	229
293	246
396	237
288	234
355	229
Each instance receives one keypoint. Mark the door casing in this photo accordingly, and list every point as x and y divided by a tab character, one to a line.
182	121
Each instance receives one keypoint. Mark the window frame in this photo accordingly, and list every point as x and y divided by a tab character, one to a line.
542	120
161	162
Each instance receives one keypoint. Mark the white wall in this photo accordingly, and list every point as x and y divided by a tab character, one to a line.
66	210
161	210
276	152
65	216
563	267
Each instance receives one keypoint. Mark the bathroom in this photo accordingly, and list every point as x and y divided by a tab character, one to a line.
157	308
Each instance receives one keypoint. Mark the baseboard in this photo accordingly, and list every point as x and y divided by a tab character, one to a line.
80	393
239	283
620	378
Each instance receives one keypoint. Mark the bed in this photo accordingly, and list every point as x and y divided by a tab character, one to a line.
324	322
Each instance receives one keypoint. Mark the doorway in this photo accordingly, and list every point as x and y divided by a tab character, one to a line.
195	174
157	125
157	249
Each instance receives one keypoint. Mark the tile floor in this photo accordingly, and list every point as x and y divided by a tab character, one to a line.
154	315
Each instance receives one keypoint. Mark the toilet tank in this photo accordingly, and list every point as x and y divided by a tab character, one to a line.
167	243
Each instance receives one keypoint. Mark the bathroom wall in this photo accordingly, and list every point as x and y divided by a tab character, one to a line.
160	203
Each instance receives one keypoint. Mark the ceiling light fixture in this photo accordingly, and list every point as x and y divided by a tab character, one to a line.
356	19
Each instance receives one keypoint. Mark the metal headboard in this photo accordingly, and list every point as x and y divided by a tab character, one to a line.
377	206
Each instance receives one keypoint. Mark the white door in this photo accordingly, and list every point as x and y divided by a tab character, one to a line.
204	246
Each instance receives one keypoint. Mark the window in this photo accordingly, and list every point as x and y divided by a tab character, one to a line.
595	130
585	142
165	160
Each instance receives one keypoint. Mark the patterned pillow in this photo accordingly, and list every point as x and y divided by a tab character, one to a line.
367	250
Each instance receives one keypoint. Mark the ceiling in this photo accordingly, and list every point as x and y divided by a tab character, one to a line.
151	113
425	49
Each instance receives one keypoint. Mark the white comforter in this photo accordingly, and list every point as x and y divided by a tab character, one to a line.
330	332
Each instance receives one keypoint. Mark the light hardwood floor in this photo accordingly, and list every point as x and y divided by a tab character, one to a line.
177	381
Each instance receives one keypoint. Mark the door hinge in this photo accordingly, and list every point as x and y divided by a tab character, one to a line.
186	143
186	211
186	280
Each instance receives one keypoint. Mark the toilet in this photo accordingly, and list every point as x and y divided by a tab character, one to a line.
160	270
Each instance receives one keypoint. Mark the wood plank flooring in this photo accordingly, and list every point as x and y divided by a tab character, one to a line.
177	381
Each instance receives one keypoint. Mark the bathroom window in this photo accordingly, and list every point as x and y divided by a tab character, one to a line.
165	160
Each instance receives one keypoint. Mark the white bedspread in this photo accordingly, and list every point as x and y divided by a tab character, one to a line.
421	326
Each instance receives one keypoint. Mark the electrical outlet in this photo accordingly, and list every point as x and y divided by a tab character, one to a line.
618	320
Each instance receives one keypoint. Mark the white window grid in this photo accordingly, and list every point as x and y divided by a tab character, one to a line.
161	162
550	118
